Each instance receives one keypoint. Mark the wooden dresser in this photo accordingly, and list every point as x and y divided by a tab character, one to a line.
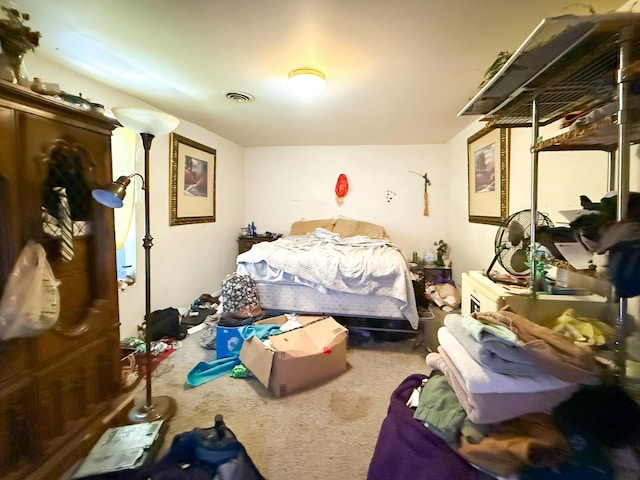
58	391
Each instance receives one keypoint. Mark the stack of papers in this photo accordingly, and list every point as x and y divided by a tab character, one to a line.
120	448
578	256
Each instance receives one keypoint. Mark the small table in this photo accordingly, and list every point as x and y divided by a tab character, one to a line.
432	316
245	243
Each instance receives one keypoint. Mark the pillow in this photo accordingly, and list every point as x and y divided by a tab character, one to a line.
347	227
302	227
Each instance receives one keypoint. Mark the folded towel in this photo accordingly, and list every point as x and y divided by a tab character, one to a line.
493	354
489	408
552	352
478	379
489	331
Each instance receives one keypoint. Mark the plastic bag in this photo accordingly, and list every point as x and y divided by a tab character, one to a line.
31	301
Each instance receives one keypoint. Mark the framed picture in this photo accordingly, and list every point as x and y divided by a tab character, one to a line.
488	167
192	189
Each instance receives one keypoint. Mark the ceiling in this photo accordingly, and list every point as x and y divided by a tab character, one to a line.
398	71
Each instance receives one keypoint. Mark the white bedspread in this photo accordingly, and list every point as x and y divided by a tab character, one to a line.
326	261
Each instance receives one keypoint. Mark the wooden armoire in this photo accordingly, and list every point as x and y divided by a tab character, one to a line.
61	389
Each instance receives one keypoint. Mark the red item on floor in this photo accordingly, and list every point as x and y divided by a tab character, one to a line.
155	360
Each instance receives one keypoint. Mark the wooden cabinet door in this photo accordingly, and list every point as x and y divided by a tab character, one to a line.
57	389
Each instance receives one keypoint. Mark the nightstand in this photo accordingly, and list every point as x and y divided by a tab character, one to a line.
245	243
431	274
431	316
427	275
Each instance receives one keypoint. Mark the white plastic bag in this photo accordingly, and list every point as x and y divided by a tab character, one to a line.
31	301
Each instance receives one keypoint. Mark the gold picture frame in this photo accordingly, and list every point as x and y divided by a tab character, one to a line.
488	175
192	187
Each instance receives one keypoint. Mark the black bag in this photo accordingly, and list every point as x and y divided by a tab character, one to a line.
165	323
204	453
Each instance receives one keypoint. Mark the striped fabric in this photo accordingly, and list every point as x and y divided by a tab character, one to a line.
66	225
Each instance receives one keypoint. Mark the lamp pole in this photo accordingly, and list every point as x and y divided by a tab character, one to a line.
149	124
154	408
147	243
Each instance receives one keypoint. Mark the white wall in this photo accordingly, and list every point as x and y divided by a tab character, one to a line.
285	184
186	260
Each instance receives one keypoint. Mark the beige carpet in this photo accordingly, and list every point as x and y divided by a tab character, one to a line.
328	431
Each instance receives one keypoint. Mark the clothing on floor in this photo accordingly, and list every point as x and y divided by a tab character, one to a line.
206	371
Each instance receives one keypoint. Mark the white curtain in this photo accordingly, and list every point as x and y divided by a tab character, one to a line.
124	146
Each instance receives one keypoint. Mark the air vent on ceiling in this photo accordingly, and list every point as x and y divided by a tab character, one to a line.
239	97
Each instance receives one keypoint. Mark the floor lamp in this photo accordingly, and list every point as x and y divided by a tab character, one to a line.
149	123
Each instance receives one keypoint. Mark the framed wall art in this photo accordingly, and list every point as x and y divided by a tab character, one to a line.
488	181
192	188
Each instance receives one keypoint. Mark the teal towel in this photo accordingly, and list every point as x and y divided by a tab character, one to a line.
487	330
204	372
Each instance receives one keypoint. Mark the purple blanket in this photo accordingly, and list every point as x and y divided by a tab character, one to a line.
407	449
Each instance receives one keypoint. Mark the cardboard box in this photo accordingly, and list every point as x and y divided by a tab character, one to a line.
228	341
300	358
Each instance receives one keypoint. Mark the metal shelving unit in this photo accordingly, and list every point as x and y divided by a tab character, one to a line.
573	63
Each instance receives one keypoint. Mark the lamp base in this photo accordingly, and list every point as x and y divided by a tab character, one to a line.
161	408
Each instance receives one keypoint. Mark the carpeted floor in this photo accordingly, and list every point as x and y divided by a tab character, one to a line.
328	431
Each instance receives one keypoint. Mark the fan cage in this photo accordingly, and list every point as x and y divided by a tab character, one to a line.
513	241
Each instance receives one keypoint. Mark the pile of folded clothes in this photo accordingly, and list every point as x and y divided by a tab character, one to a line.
499	395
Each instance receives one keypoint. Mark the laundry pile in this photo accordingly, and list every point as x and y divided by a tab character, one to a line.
499	392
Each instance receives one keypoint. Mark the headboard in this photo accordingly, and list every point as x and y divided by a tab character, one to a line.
345	227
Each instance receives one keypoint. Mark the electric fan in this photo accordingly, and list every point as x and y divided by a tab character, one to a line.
512	243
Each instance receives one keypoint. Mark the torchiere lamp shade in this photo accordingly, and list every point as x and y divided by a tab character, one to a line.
144	120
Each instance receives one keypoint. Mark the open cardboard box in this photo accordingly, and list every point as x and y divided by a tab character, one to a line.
301	358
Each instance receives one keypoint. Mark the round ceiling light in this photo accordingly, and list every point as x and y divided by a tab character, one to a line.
306	82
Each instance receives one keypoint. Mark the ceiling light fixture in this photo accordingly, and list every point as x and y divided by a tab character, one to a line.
306	82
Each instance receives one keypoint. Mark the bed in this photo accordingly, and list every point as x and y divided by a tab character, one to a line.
339	267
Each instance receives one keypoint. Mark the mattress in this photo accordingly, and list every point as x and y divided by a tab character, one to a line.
305	299
323	273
